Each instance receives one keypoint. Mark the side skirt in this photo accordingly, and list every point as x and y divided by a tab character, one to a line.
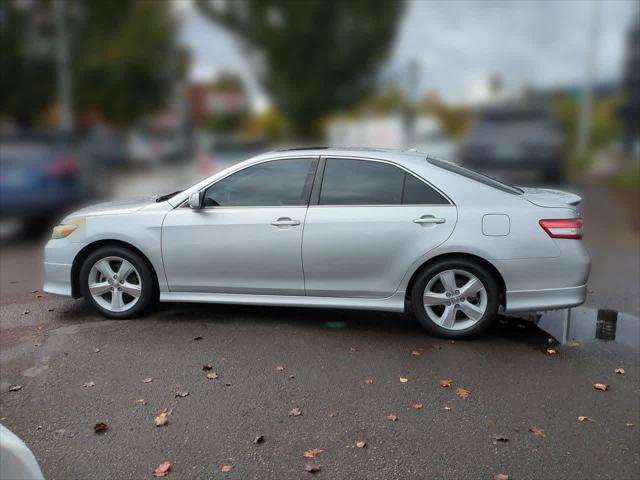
394	303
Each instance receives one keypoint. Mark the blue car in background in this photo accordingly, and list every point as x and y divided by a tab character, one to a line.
40	177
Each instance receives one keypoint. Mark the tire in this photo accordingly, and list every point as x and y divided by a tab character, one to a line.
139	280
447	314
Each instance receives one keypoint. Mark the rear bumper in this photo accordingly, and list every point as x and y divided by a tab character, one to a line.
548	299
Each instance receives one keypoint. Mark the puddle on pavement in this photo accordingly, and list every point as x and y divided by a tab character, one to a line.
593	325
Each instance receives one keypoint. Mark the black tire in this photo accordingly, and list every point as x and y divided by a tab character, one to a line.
148	295
491	287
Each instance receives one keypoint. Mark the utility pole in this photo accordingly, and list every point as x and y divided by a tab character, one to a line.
63	67
584	122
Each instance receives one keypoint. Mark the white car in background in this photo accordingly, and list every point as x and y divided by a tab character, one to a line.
342	228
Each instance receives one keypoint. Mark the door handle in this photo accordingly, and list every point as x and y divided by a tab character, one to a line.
429	219
285	222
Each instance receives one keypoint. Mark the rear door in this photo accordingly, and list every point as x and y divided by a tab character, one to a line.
367	223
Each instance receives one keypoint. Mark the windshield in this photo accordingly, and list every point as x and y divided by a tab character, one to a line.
478	177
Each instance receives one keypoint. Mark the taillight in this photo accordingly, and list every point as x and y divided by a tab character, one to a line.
570	228
63	166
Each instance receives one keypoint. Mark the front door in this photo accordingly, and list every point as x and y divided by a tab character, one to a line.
248	236
372	221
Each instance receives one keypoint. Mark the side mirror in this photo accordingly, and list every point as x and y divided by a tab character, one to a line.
195	201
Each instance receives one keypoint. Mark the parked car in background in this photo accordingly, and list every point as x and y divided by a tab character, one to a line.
106	148
41	176
334	228
515	141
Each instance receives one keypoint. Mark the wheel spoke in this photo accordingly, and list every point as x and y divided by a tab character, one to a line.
125	270
474	312
131	288
448	317
117	303
99	288
448	280
433	298
471	288
105	269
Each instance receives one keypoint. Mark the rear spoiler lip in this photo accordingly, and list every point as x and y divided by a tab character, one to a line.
536	197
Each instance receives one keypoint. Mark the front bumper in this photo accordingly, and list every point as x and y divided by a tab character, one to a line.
58	262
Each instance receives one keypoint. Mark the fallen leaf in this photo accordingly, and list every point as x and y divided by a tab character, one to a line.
198	338
500	476
353	349
630	424
361	444
392	417
537	432
417	406
280	368
35	291
447	408
207	366
162	418
463	393
403	380
296	412
573	344
100	427
88	384
227	384
148	380
162	470
368	381
501	439
446	383
141	401
416	353
583	419
312	453
312	468
38	296
15	388
51	309
619	370
551	351
601	386
292	376
180	392
96	350
226	468
258	439
212	375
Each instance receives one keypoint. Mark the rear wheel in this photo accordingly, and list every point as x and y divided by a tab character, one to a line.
455	298
117	282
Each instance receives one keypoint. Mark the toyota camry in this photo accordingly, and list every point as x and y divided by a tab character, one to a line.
333	228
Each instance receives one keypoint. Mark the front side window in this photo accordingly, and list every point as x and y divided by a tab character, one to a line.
275	183
364	182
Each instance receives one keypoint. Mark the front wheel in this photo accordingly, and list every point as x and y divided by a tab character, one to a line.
455	298
117	282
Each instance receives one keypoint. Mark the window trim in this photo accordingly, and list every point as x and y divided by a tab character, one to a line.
319	178
309	182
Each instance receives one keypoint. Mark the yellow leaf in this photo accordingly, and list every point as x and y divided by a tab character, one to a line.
417	406
280	368
368	381
619	370
403	380
537	432
416	353
601	386
551	351
446	383
361	444
447	408
162	418
392	417
312	453
463	393
583	419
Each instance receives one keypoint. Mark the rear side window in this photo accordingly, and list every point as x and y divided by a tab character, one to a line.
360	182
478	177
275	183
365	182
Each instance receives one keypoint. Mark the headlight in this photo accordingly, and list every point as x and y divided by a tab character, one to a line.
62	231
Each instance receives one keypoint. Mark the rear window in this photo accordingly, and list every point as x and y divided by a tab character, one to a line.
478	177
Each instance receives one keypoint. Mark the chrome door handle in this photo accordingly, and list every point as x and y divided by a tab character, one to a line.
285	222
429	219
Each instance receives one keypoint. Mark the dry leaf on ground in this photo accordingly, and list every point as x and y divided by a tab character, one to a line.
368	381
537	432
417	406
141	401
404	379
619	370
226	468
601	386
212	375
500	476
100	427
15	388
96	350
162	418
551	351
258	439
148	380
463	393
295	412
446	383
207	366
88	384
447	408
180	392
162	470
312	468
583	419
361	444
280	368
392	417
416	353
198	338
312	453
630	424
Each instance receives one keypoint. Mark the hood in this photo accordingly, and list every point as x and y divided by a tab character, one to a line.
546	197
115	207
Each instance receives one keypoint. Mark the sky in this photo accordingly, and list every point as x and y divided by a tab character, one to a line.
458	45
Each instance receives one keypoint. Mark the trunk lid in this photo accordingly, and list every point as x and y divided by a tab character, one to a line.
546	197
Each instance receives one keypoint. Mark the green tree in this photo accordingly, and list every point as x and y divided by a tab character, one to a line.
312	56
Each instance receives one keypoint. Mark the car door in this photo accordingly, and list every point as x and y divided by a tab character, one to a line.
247	237
367	223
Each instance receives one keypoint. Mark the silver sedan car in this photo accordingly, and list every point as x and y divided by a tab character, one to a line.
333	228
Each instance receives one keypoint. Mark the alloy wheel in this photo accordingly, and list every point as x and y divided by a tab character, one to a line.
115	284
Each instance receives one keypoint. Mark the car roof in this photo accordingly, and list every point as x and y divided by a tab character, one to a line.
392	154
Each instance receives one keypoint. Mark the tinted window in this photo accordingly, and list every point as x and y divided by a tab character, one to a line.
478	177
360	182
275	183
416	192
